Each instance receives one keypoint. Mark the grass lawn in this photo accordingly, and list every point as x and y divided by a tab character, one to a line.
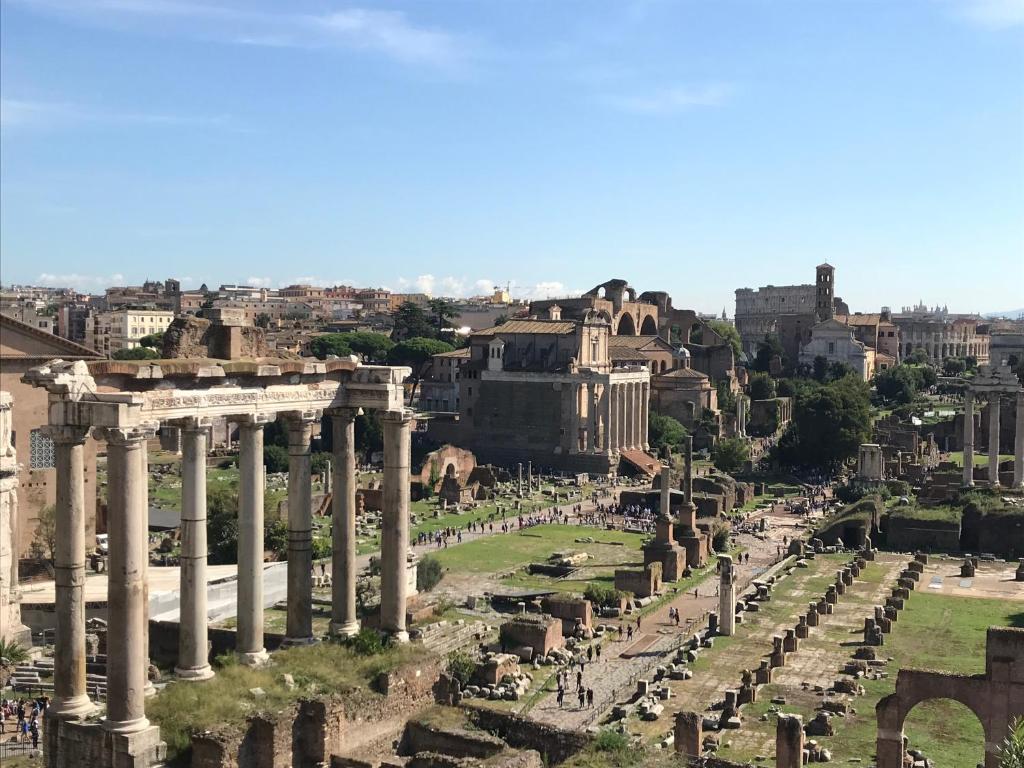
531	545
182	708
980	459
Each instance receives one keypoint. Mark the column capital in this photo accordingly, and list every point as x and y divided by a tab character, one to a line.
129	436
66	434
403	416
192	423
301	417
345	414
253	420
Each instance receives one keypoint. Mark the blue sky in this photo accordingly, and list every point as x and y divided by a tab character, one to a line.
694	147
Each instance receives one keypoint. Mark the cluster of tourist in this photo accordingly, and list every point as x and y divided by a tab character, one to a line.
584	694
25	716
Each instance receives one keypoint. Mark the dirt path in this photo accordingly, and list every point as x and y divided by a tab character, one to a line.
612	679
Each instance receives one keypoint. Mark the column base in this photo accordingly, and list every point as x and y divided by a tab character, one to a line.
253	658
149	690
343	629
295	642
125	726
398	637
194	673
74	707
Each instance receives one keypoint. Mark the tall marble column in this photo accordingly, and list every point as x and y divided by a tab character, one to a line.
395	531
645	399
299	623
249	636
126	609
343	525
1018	444
629	414
613	416
726	597
193	656
993	438
592	404
574	418
70	695
968	438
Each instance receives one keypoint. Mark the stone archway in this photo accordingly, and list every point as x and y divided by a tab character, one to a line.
649	327
626	325
995	698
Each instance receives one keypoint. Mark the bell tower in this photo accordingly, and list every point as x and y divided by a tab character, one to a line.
826	291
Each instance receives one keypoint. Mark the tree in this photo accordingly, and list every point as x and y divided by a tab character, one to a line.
263	320
330	344
461	666
275	458
136	353
918	357
501	319
1011	752
416	353
222	525
730	454
428	573
838	370
819	368
785	388
954	366
371	347
443	312
369	433
766	350
726	397
728	333
664	431
898	384
762	386
412	322
153	340
829	423
44	541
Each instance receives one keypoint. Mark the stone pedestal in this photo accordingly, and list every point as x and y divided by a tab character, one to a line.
789	742
689	734
395	532
343	526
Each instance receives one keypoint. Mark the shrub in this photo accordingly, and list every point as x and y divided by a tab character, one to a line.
611	741
321	547
275	536
136	353
12	653
730	454
602	594
275	458
367	642
720	538
428	573
461	666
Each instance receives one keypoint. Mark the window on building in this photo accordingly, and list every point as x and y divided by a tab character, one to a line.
831	347
40	450
470	391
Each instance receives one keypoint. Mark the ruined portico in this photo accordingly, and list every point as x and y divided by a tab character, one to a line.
124	403
993	383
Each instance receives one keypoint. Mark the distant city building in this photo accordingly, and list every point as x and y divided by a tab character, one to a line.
836	342
31	312
941	334
113	330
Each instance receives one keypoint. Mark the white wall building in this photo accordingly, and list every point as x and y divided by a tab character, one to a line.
108	332
835	342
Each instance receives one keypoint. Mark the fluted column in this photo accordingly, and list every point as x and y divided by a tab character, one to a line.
343	525
993	438
1018	444
645	399
70	696
395	531
249	636
299	624
968	438
193	656
127	660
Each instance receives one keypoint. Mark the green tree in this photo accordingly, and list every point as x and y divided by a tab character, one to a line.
275	458
275	536
762	386
369	433
416	353
728	333
222	525
461	666
44	540
428	573
442	312
766	350
954	366
664	431
135	353
726	397
263	320
730	454
898	384
819	368
372	347
829	423
412	322
785	388
336	344
153	340
918	357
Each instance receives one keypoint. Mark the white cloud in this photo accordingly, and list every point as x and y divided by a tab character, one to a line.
259	282
992	14
448	286
551	289
672	99
319	282
391	34
80	282
21	113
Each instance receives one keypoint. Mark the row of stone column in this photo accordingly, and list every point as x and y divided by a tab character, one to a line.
993	440
628	415
127	599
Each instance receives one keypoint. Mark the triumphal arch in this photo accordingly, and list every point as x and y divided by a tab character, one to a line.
123	404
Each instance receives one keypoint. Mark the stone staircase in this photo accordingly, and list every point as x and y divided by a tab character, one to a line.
36	677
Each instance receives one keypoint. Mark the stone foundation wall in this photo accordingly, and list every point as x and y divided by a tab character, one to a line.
909	535
554	744
420	737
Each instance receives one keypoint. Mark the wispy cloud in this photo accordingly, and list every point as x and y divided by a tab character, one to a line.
991	14
672	99
80	282
21	113
392	34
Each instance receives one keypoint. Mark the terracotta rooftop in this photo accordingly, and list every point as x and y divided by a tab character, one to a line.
636	342
683	373
556	327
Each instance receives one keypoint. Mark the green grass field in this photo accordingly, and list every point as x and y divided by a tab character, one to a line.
980	459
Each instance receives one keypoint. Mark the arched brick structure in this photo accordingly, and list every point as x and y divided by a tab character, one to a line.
649	327
996	697
624	325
